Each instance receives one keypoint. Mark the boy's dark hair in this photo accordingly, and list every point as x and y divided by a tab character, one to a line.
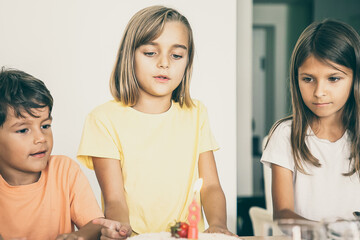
22	92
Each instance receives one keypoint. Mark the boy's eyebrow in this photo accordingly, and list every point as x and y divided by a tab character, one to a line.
48	118
174	46
18	124
24	122
44	120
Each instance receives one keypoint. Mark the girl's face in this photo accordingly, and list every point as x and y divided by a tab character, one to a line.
324	88
160	64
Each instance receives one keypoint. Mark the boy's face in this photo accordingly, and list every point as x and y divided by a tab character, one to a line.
25	146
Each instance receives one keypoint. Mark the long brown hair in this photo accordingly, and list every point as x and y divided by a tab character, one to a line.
145	26
334	41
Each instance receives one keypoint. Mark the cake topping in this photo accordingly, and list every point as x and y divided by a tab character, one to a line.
180	230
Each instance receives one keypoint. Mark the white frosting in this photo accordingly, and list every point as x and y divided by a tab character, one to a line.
167	236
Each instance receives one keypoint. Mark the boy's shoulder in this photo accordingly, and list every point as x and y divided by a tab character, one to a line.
61	159
62	164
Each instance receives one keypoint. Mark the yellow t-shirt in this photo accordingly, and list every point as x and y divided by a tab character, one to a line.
159	157
51	206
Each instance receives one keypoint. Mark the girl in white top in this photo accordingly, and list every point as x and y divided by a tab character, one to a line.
315	153
150	144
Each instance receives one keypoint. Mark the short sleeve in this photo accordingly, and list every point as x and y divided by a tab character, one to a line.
97	140
207	140
278	150
83	205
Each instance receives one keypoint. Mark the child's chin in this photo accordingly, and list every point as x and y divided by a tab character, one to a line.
41	163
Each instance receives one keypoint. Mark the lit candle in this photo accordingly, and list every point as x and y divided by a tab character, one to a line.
194	212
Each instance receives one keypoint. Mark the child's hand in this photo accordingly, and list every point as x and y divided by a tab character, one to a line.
69	236
219	229
113	229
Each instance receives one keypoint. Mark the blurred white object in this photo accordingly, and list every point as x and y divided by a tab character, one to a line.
297	229
343	229
263	218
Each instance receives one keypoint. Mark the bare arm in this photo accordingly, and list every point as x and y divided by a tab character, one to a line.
88	232
1	238
283	193
212	195
110	178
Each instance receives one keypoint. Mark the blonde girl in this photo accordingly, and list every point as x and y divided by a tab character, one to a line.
150	144
315	153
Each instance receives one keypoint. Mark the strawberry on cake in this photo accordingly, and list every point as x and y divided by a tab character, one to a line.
167	236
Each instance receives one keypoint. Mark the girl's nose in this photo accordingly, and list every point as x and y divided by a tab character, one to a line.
163	62
320	89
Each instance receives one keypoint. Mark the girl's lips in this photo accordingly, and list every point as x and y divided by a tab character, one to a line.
162	78
321	104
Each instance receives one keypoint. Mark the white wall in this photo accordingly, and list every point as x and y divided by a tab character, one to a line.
71	46
244	97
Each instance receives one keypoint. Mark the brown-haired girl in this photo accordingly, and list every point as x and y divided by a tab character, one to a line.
315	153
150	144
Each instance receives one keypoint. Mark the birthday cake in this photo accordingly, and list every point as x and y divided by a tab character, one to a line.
167	236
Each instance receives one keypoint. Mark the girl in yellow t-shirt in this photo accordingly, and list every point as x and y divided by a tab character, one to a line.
152	142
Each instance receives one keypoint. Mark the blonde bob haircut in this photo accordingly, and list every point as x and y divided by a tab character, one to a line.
145	26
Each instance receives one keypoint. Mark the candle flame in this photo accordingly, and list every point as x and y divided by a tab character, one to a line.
198	185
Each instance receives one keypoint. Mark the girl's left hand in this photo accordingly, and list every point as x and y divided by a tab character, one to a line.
69	236
219	229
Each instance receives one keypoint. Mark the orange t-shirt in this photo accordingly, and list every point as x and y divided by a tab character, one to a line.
61	198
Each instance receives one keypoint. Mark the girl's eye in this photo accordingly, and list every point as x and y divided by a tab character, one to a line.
176	56
334	79
149	54
25	130
307	79
46	126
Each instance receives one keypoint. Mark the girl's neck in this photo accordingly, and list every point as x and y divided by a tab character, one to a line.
152	106
330	129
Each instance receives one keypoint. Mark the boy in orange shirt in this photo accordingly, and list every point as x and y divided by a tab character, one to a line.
41	196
